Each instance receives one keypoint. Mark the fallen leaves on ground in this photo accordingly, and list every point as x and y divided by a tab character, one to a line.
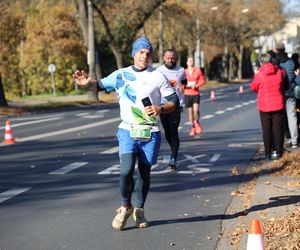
234	171
288	165
282	233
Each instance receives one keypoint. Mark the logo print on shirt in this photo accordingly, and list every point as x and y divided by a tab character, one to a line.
128	91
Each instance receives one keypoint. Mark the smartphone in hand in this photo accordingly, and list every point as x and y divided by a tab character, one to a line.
146	101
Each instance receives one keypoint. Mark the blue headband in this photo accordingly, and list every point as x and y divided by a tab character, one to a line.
141	43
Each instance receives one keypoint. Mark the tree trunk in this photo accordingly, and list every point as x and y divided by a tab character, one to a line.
85	14
98	69
230	68
118	55
225	64
3	101
83	19
240	62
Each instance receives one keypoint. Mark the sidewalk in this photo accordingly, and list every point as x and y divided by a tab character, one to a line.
52	99
275	195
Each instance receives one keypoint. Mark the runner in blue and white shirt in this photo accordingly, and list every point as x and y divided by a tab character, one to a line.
138	134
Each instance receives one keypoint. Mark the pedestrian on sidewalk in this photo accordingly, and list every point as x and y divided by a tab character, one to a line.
176	76
290	100
268	83
296	59
139	88
195	80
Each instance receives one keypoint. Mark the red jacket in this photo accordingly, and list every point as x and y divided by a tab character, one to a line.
268	83
194	78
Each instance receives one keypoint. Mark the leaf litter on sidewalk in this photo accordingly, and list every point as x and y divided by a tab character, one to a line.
282	233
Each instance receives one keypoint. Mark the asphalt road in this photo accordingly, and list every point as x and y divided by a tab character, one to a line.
59	182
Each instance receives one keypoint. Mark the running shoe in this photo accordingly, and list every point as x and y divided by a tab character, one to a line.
172	163
121	217
198	128
139	218
192	132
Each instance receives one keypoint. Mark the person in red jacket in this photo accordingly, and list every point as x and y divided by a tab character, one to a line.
195	79
269	83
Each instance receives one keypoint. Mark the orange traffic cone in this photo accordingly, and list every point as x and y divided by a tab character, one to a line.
8	136
212	95
241	91
255	239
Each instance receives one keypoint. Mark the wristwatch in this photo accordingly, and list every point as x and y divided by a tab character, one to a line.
162	109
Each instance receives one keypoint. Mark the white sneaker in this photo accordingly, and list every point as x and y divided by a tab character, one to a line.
121	217
274	155
139	218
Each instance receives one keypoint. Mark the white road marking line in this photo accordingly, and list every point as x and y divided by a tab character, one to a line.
33	122
11	193
82	114
239	145
93	116
238	106
215	158
110	151
207	117
195	168
35	118
220	112
114	169
191	158
229	109
103	111
246	103
69	168
69	130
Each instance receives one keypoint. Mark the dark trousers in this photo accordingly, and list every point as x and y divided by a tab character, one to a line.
298	117
272	126
127	184
170	123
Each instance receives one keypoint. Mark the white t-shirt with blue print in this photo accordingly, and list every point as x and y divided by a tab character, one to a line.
131	87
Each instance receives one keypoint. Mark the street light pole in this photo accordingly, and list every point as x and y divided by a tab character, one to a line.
198	51
197	58
161	33
93	95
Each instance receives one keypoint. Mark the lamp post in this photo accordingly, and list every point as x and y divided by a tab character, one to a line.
198	51
51	69
240	63
161	33
199	58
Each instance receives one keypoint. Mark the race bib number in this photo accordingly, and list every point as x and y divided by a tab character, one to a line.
140	132
191	84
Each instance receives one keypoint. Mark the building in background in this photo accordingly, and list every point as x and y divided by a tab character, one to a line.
289	35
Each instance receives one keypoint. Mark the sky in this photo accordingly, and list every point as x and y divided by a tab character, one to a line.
293	5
